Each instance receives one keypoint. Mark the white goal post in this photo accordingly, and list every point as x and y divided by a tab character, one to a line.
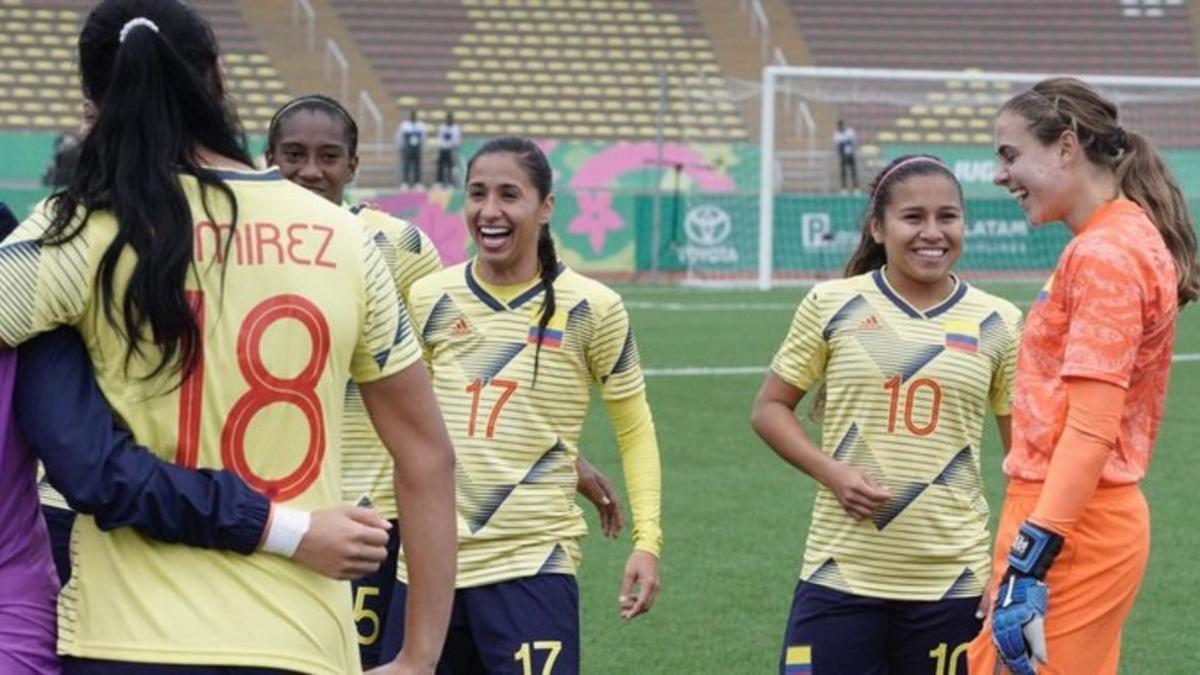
1166	108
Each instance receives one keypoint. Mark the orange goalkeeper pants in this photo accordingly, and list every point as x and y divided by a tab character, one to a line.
1093	582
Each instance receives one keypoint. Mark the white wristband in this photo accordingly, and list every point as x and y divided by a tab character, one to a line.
287	528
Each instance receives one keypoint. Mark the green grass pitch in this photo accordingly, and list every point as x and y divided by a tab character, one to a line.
735	516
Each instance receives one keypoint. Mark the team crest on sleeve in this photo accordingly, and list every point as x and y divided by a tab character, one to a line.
962	335
552	334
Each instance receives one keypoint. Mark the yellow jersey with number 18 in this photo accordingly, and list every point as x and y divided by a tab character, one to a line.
515	413
907	392
292	303
367	466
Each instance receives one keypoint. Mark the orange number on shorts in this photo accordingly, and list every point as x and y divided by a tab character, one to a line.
475	389
265	389
893	385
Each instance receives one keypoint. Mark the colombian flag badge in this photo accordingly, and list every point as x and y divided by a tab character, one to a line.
552	336
798	660
962	335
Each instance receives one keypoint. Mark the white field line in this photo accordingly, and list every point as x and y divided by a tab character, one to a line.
723	371
656	306
710	306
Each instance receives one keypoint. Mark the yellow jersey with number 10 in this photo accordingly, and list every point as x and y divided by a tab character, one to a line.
907	392
292	303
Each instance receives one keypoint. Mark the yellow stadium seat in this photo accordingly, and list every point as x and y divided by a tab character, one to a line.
935	137
959	138
929	123
953	123
985	139
887	136
910	137
919	110
905	122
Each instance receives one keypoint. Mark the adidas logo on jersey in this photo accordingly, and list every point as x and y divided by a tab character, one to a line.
870	323
460	328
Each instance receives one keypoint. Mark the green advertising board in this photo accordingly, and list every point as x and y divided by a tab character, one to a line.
718	234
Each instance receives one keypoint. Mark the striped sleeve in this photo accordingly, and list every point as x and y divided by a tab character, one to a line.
44	286
416	258
387	343
613	355
801	358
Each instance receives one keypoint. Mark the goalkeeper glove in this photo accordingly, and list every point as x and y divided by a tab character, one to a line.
1018	622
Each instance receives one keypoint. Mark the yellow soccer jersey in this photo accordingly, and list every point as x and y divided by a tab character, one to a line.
298	303
516	440
366	464
907	394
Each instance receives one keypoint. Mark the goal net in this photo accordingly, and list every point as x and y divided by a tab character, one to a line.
806	219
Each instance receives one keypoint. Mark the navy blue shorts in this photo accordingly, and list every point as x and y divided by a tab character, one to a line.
372	597
59	523
73	666
519	626
830	631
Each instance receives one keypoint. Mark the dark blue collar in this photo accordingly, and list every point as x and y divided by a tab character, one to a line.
944	306
493	302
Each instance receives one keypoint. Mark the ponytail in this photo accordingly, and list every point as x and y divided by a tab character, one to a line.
548	270
1062	104
151	69
1145	179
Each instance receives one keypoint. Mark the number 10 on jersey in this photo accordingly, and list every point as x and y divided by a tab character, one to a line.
915	387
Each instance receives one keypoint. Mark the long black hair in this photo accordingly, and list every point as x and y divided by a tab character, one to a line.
531	158
151	68
316	103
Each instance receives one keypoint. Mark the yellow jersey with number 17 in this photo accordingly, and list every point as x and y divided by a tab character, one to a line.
292	303
516	438
367	466
907	392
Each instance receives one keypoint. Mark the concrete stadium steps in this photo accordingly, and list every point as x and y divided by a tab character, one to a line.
560	68
39	82
1048	36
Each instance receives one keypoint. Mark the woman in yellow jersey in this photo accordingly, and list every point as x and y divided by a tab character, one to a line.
911	357
313	140
224	310
1091	380
516	341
